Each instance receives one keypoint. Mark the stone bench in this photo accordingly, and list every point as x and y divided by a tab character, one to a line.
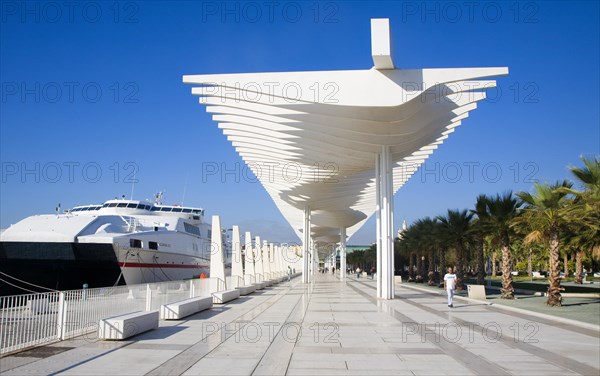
38	306
476	292
259	285
245	290
221	297
128	325
183	308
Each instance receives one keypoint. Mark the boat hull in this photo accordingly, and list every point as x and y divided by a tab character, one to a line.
57	266
68	266
147	266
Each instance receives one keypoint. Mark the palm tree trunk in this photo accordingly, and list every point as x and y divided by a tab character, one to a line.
411	267
431	264
578	267
507	291
554	297
530	264
419	269
442	261
566	264
459	266
480	268
494	263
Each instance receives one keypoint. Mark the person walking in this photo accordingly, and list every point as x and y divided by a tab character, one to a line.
358	272
450	285
289	273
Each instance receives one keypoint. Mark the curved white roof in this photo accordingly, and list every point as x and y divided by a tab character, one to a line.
312	138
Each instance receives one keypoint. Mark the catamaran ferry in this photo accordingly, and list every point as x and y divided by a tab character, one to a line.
118	242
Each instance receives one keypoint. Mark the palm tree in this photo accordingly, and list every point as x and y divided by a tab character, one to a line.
544	212
586	208
588	176
455	227
481	211
503	209
426	237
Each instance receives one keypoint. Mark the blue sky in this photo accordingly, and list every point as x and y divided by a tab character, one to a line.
92	97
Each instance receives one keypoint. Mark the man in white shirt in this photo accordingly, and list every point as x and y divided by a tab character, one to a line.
450	285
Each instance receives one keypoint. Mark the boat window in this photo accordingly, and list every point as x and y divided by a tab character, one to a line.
105	205
135	243
191	228
132	206
177	210
153	245
196	217
187	210
122	205
154	208
166	209
113	205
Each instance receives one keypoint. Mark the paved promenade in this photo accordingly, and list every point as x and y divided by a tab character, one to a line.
332	328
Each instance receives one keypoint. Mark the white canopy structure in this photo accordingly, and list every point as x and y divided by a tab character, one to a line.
332	147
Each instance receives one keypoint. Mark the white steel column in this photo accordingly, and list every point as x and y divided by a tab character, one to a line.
249	272
342	254
236	257
306	246
386	195
378	221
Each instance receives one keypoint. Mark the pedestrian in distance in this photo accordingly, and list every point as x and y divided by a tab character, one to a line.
289	273
358	272
450	285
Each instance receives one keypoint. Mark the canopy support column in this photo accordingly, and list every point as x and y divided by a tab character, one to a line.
306	247
385	220
342	254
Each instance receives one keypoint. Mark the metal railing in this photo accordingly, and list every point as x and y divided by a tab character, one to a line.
234	281
37	319
28	320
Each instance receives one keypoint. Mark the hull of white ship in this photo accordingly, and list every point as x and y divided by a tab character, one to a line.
147	266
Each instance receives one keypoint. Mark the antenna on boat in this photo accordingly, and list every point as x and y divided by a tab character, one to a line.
184	189
158	198
133	183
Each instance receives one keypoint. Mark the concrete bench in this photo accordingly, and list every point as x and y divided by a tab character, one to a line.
260	285
38	306
183	308
221	297
129	325
245	290
476	292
